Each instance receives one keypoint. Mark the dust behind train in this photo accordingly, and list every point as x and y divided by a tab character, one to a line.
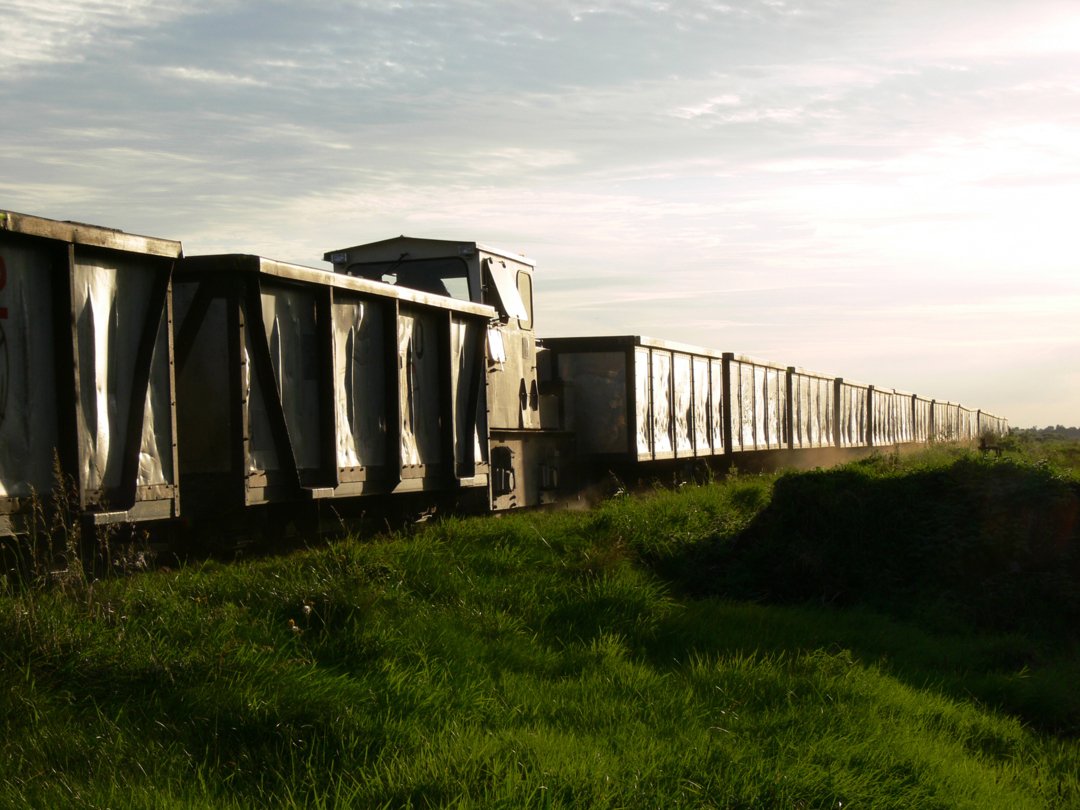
159	385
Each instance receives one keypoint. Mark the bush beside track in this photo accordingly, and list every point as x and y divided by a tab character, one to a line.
992	545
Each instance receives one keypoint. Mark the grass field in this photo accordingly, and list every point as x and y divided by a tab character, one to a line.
887	634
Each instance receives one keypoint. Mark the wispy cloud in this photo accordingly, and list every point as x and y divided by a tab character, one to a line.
211	77
708	107
62	31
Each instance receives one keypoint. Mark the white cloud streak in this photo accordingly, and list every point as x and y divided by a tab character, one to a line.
67	31
211	77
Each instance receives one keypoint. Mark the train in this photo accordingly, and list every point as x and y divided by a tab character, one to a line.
151	386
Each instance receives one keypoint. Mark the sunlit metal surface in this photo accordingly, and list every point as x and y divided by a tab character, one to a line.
86	366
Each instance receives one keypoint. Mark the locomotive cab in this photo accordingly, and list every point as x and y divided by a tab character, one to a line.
524	449
464	270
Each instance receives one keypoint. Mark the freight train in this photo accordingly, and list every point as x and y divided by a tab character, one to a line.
154	386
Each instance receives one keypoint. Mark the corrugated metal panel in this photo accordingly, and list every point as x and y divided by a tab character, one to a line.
263	454
968	425
882	417
111	296
717	414
922	428
758	405
643	402
905	423
470	414
360	381
288	316
702	407
802	424
946	422
661	404
852	413
775	401
812	405
683	411
747	408
420	397
990	425
762	410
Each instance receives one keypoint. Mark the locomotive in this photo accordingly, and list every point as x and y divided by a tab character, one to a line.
156	386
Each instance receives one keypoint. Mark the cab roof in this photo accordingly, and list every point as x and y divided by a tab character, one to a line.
418	248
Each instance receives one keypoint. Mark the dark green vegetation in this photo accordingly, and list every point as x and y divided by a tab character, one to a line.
1059	445
888	634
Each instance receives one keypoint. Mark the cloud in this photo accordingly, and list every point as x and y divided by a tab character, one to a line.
1007	32
708	107
64	31
211	77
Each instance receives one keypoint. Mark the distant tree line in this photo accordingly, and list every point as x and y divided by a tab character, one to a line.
1048	432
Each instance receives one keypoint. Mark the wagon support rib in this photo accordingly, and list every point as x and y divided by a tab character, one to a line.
324	323
189	329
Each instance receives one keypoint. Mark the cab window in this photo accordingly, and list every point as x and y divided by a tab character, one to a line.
524	285
449	277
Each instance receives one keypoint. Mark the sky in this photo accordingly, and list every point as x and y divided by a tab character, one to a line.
885	191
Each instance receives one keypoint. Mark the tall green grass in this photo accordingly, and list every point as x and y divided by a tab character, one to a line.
564	659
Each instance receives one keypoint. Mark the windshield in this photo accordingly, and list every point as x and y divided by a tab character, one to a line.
449	276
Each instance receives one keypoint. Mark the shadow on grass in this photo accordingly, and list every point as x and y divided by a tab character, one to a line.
966	575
